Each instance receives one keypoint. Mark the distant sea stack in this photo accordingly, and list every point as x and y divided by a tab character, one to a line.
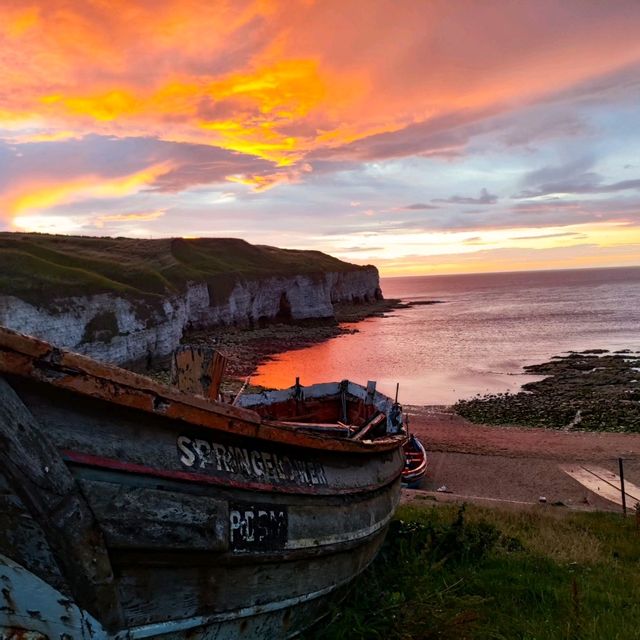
129	301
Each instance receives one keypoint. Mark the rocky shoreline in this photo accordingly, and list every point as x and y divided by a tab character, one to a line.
247	348
593	390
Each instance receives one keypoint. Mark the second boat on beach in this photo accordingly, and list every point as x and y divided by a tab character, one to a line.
415	467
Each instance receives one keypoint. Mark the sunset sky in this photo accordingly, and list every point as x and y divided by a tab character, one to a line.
421	136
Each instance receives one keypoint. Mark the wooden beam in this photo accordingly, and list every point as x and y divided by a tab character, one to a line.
372	424
198	370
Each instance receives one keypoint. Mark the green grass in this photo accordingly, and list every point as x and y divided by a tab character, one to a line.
41	268
494	575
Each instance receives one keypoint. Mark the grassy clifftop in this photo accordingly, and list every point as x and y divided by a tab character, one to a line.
40	268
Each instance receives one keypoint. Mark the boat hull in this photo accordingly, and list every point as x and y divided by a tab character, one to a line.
42	611
198	532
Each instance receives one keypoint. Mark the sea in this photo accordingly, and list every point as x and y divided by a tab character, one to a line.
478	338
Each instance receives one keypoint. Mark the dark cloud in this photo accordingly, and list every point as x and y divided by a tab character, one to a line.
588	183
550	235
418	206
560	172
357	249
109	157
531	215
613	87
550	204
536	124
210	109
442	136
447	136
574	176
484	198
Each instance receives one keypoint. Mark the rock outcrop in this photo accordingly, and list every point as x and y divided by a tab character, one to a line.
124	329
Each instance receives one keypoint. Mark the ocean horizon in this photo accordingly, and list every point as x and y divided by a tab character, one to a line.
477	340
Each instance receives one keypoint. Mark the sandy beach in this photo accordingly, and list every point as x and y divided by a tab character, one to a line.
517	463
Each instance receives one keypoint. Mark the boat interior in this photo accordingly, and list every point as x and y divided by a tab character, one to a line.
342	409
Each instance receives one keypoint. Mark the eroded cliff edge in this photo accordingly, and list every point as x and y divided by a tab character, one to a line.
127	301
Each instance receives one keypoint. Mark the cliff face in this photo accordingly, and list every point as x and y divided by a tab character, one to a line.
118	328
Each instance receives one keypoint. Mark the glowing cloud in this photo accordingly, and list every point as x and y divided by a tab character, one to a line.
141	216
37	197
278	81
427	249
46	224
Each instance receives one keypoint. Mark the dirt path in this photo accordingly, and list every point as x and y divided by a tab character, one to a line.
514	463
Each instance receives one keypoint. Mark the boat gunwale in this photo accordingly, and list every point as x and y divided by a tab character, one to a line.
28	357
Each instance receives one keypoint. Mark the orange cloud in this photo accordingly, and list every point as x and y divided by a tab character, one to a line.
17	23
279	80
28	198
43	136
260	104
263	182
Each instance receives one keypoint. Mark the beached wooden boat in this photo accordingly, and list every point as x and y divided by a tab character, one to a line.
132	510
415	466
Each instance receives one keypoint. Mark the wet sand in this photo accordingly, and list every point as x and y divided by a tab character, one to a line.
517	463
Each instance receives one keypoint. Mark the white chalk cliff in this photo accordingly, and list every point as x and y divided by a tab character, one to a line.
122	330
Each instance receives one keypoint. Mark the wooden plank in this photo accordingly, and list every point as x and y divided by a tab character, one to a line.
311	524
22	539
32	609
143	518
602	482
198	370
217	372
155	593
371	392
372	424
316	525
328	428
27	345
37	474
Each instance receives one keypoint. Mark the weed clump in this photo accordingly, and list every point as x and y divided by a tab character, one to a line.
390	600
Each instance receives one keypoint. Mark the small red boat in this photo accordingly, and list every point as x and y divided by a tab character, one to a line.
415	466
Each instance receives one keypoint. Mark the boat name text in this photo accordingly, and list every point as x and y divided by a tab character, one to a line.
261	465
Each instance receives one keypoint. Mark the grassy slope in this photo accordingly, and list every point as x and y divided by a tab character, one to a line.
40	268
499	575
